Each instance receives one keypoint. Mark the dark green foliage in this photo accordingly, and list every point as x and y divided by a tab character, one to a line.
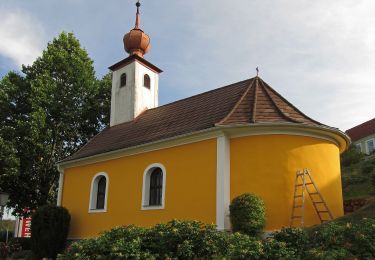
352	156
368	167
49	230
184	239
295	238
45	116
242	246
333	240
194	240
247	214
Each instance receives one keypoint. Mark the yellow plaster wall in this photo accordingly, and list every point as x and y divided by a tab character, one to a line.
190	189
266	166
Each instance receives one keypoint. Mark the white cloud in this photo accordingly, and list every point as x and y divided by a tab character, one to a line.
22	37
319	54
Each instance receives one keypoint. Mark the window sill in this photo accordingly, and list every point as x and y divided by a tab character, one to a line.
146	207
97	210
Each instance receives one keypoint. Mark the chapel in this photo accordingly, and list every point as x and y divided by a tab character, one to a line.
188	159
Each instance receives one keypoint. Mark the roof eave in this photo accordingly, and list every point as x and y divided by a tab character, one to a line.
234	130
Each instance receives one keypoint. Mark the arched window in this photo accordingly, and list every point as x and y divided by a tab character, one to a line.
123	80
156	187
98	194
153	192
146	81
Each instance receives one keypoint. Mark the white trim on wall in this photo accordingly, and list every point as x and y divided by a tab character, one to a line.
61	186
223	182
93	193
146	187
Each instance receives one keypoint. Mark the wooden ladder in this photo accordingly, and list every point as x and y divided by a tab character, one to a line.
305	183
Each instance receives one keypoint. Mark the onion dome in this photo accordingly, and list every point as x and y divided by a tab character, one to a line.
136	41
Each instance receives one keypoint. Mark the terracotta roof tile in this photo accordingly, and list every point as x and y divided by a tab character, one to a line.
362	130
245	102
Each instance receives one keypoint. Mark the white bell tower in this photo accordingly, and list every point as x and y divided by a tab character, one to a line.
135	81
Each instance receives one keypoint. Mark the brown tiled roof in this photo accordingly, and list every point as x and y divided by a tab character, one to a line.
245	102
362	130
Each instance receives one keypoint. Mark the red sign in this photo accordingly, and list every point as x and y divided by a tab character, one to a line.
25	227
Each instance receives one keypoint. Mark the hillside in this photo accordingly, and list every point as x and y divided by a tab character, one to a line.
357	173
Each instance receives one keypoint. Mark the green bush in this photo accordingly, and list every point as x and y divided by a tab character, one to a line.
247	214
274	249
352	156
296	238
242	246
357	239
184	239
368	167
195	240
118	243
49	230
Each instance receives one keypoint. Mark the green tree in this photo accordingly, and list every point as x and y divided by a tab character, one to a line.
48	114
352	156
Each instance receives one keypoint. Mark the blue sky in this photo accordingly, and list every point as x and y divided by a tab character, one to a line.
320	55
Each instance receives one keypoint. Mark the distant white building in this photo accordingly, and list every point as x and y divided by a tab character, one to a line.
363	136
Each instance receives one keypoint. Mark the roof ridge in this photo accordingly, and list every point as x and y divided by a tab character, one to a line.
200	94
255	99
290	104
276	106
237	103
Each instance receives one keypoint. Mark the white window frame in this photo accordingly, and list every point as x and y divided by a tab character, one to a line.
94	192
146	187
367	141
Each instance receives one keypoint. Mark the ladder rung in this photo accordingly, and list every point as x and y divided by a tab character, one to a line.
313	193
323	211
298	206
299	185
318	202
298	196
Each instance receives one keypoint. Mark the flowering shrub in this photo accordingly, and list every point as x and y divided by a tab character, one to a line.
195	240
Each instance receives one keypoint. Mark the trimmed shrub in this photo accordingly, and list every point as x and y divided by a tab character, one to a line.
49	230
247	214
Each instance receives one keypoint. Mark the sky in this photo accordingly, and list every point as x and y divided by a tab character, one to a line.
320	55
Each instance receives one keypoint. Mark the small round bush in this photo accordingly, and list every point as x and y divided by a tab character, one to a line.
49	230
247	214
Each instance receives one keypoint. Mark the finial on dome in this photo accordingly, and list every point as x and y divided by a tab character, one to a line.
136	42
137	18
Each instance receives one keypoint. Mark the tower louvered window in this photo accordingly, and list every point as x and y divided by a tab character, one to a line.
146	81
123	80
156	187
